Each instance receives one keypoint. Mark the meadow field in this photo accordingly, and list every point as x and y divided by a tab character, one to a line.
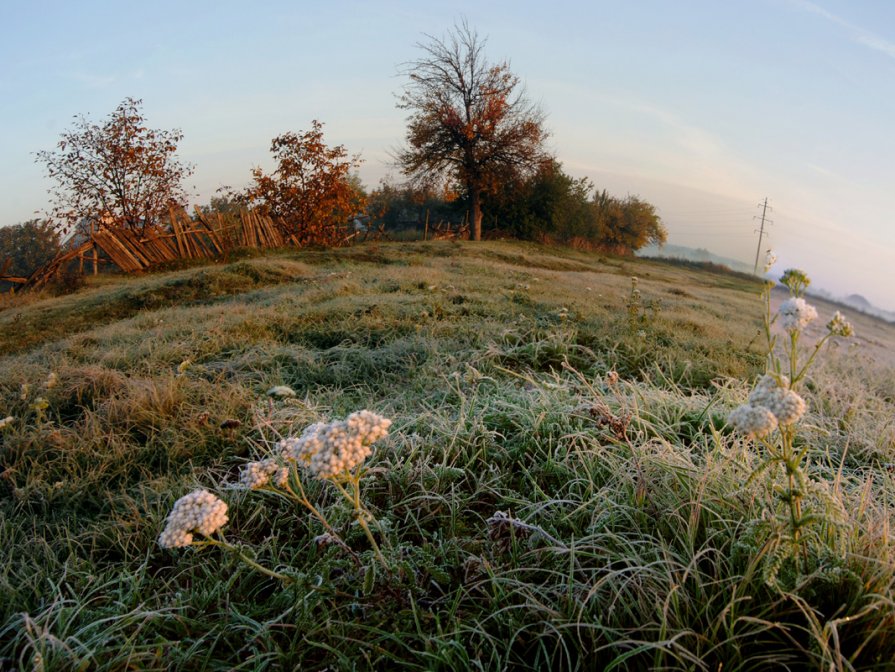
559	487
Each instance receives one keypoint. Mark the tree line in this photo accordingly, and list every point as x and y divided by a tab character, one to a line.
474	149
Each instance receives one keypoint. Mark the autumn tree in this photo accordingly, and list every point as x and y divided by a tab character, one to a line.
26	246
469	119
120	169
626	225
312	193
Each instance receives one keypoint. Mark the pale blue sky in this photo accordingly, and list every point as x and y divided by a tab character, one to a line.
703	107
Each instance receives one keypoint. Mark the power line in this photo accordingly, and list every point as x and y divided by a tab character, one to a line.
764	212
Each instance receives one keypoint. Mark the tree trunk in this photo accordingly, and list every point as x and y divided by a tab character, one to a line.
476	208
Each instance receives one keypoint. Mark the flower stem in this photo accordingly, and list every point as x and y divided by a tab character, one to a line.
361	513
251	563
304	501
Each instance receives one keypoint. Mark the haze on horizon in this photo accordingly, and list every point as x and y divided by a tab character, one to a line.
703	109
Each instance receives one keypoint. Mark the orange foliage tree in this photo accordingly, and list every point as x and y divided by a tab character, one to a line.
469	120
312	194
120	169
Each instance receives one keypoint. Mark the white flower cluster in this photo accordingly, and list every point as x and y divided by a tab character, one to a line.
839	326
302	448
796	313
771	403
200	511
332	449
786	405
256	475
6	422
753	420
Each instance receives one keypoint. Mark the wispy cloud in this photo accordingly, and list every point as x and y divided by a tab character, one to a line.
879	44
697	140
93	81
860	35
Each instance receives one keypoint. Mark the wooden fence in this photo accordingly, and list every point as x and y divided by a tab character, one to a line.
205	236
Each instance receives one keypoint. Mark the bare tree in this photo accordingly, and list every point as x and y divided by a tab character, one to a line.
469	120
119	170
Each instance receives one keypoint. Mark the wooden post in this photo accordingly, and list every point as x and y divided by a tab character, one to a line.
426	230
95	253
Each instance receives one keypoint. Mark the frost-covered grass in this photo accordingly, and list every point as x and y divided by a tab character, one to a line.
536	511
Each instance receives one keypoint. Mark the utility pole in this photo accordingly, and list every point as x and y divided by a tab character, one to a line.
764	212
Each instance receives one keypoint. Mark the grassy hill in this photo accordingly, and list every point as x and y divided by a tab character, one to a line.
533	510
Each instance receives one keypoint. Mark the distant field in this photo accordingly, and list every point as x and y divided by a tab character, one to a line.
534	512
874	337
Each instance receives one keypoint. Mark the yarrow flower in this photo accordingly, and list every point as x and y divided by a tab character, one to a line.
786	405
767	389
839	326
300	449
281	392
772	399
200	511
796	313
256	475
753	421
328	450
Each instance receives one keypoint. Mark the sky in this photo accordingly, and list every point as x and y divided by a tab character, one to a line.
703	108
